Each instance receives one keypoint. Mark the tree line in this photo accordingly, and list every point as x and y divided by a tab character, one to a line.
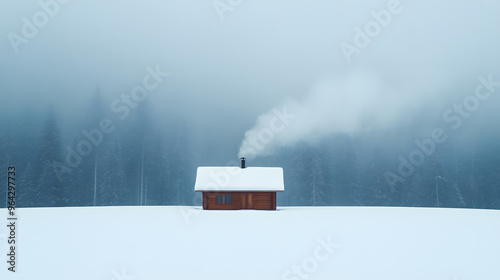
144	162
137	164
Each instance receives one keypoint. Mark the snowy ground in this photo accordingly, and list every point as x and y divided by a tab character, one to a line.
291	243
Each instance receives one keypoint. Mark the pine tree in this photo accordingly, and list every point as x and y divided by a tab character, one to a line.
378	160
137	131
343	156
48	188
26	187
449	191
6	154
181	166
113	189
491	172
25	147
308	172
469	177
88	173
156	171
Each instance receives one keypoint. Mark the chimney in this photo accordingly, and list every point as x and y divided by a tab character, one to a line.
243	162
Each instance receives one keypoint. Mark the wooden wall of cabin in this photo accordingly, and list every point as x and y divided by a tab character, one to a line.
210	201
241	200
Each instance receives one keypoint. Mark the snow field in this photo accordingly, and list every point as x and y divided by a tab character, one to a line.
290	243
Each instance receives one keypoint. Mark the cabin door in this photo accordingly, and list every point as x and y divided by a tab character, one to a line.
246	201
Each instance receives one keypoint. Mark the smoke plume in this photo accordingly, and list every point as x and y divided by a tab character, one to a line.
359	102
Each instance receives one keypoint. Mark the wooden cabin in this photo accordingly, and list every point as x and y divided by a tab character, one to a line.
233	188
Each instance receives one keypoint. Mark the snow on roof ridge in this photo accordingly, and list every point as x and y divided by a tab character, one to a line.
234	178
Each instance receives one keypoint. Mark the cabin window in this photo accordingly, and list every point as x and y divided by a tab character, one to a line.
223	199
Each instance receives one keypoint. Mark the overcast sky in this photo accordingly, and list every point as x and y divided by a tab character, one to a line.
229	66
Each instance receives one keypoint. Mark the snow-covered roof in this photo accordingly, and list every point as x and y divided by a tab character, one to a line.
239	179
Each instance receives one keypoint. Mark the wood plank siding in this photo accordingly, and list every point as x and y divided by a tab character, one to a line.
240	200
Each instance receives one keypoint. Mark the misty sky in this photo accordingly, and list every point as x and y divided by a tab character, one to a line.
225	73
